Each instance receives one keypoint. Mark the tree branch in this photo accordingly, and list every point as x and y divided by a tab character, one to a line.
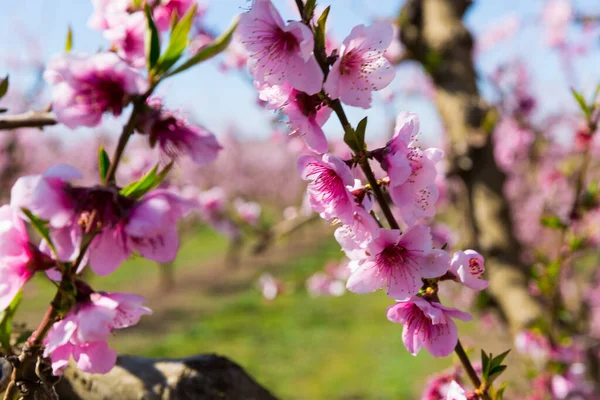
29	119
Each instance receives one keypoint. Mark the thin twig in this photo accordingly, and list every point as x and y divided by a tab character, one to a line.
29	119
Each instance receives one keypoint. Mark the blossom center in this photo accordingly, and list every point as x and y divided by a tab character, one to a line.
392	257
328	183
475	268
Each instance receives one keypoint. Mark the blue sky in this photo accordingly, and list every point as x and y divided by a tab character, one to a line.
221	100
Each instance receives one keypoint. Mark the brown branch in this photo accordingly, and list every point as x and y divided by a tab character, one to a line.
29	119
433	32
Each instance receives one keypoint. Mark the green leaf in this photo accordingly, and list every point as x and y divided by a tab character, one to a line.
309	10
6	317
209	51
350	140
152	39
496	361
41	227
137	3
146	183
485	365
581	101
3	110
495	373
69	41
177	42
103	164
321	27
500	392
552	221
3	87
360	133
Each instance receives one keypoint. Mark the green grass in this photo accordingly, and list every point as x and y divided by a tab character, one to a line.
300	347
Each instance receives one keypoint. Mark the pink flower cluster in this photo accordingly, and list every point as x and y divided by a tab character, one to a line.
292	76
288	75
82	334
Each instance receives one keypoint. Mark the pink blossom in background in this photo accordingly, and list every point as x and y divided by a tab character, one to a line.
395	50
163	12
279	52
574	384
82	334
556	15
150	228
127	33
19	256
175	136
87	86
361	67
328	191
248	211
398	261
502	30
456	392
512	143
306	114
212	201
106	9
468	267
534	345
427	325
329	282
236	56
270	287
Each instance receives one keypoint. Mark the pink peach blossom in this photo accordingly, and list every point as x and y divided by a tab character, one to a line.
248	211
279	52
361	67
468	267
87	86
398	262
126	33
175	136
328	191
163	12
82	334
306	114
427	325
19	257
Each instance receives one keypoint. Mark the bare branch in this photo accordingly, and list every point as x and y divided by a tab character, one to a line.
29	119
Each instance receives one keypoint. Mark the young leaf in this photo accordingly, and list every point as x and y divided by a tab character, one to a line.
6	317
500	392
485	365
495	373
350	140
209	51
360	133
152	39
496	361
320	30
69	41
3	87
178	41
41	227
103	164
148	182
309	10
581	101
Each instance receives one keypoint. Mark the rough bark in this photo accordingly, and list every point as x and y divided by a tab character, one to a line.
434	35
203	377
